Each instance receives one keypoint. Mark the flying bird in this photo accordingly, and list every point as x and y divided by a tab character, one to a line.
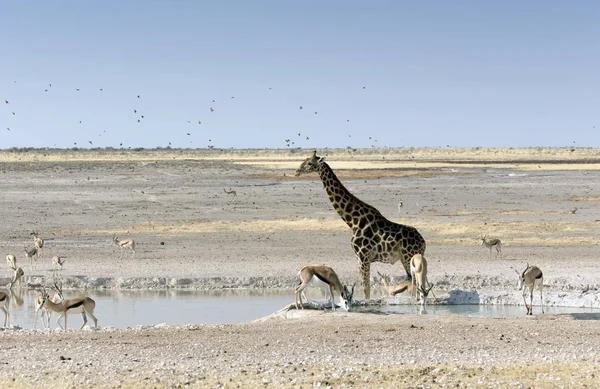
6	101
138	96
90	142
188	133
211	109
189	121
77	89
199	122
135	111
50	85
307	138
101	89
364	87
139	120
315	112
142	116
300	107
14	113
8	128
45	90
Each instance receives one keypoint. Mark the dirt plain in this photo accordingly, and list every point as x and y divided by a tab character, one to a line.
189	233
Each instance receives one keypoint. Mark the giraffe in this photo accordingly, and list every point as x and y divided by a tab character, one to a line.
375	238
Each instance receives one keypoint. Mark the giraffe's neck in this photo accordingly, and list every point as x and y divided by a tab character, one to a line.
351	209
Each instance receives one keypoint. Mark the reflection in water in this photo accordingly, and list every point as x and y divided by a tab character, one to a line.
124	309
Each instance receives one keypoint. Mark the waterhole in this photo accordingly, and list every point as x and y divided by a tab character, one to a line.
122	309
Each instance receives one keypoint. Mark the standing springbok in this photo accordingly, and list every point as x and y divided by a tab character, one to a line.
4	304
30	253
531	277
418	271
124	243
329	277
57	262
12	261
56	296
396	289
492	243
38	242
83	305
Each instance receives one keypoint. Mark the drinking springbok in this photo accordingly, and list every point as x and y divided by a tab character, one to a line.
531	278
329	277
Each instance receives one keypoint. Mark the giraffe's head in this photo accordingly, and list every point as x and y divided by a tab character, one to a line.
310	164
346	297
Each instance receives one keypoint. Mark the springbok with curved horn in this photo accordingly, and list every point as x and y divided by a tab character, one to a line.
531	278
492	243
124	243
418	270
329	277
46	313
82	305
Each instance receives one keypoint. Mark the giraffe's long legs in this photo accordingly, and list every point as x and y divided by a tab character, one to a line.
365	273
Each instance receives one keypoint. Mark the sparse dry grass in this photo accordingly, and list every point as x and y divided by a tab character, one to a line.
522	159
361	174
584	198
437	232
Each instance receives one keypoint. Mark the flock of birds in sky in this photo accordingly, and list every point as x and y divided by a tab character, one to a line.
290	141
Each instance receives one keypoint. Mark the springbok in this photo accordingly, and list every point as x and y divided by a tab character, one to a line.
83	305
17	274
418	271
396	289
329	277
30	253
37	241
12	261
56	298
4	304
531	277
492	243
124	243
57	262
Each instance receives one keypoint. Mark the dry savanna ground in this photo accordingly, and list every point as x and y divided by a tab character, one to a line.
189	231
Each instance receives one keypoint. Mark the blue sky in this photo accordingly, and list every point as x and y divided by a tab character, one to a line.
404	74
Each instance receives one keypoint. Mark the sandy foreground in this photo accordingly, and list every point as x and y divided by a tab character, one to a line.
191	234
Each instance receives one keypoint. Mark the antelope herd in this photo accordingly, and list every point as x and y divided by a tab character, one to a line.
51	301
418	287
